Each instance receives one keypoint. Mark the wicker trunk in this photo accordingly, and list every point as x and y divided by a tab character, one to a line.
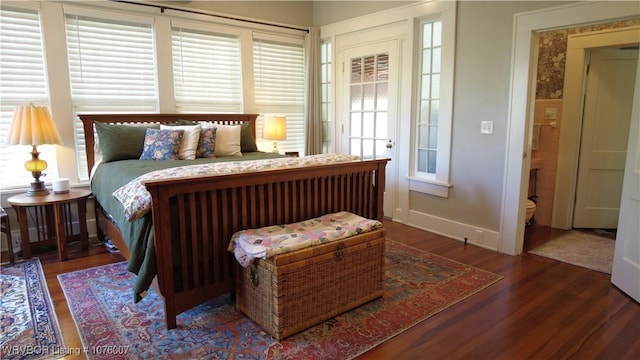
288	293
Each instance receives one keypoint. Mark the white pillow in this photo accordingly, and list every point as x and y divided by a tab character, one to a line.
189	140
227	139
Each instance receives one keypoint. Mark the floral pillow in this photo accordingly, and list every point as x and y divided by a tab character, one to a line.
162	144
206	143
189	140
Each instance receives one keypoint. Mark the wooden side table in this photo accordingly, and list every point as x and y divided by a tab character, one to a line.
60	206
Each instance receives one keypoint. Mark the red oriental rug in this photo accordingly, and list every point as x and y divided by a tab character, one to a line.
419	284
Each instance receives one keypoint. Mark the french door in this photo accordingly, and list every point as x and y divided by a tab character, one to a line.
368	115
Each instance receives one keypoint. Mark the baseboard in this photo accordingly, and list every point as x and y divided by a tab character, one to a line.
478	236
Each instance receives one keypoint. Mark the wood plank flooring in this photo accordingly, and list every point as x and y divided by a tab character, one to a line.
542	309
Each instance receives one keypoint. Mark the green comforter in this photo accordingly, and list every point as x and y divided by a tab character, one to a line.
138	235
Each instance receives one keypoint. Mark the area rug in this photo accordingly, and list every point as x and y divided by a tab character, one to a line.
29	327
418	285
581	249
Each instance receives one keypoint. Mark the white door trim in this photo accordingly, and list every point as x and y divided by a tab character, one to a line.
522	94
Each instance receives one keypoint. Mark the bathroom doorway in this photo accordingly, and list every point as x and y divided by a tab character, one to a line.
603	141
595	195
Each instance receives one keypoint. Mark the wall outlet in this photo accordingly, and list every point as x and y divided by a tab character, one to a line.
550	113
486	127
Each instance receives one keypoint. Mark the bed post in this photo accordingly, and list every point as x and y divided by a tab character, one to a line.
380	187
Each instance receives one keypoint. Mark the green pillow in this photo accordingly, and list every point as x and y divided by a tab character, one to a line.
121	142
247	142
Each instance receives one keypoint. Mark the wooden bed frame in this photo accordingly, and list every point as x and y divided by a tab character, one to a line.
208	210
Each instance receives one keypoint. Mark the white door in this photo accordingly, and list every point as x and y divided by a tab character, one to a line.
626	260
368	120
605	130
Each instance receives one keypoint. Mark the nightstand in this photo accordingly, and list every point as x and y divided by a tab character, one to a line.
52	218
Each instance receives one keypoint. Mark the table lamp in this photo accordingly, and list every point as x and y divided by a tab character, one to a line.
32	125
275	128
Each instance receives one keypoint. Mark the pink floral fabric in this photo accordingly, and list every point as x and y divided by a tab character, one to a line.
266	242
136	200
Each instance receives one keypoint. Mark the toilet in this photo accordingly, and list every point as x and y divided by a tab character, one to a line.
531	210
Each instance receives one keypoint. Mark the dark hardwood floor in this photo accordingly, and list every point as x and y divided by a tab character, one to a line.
542	309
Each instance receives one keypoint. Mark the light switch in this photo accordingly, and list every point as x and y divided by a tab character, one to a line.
486	127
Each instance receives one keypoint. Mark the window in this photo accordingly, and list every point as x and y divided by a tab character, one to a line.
207	73
129	59
428	112
434	99
327	95
22	81
279	83
111	69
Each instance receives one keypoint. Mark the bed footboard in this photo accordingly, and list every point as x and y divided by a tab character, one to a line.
194	219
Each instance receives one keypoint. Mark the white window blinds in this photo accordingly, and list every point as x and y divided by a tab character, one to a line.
112	70
22	81
207	71
279	81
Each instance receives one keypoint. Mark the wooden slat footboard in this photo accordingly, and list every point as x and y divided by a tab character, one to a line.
194	219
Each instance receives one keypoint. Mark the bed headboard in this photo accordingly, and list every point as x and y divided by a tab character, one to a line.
89	119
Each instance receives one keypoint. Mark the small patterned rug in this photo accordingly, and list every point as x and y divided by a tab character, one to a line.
29	327
581	249
419	284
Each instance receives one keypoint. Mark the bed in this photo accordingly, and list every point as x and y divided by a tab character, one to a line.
179	247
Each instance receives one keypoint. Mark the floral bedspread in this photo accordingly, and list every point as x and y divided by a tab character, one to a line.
265	242
136	200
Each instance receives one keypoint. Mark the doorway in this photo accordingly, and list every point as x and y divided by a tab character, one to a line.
368	119
606	118
571	161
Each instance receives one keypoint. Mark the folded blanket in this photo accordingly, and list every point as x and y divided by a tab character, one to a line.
266	242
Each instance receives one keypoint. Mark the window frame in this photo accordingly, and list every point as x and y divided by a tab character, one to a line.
437	183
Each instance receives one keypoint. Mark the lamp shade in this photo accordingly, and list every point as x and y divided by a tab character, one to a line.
275	128
32	125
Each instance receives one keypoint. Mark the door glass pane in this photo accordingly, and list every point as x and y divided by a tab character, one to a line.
355	147
381	149
356	70
369	96
356	125
381	96
383	67
367	149
381	125
368	124
356	97
369	68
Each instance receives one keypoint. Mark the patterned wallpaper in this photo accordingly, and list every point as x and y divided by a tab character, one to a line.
552	50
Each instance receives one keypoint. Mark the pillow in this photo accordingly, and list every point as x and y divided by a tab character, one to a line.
227	139
162	144
121	142
206	143
189	140
247	141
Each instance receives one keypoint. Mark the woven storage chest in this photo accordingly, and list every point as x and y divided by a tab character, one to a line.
290	292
